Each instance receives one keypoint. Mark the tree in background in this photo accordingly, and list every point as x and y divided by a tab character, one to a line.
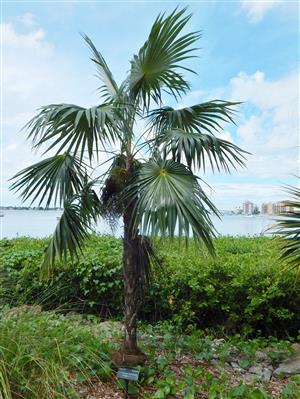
150	182
256	210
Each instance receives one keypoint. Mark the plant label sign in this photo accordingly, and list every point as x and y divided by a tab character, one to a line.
128	374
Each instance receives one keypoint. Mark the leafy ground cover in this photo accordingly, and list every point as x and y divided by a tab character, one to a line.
244	289
50	355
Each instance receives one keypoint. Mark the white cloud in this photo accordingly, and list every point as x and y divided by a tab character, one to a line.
271	131
267	122
34	74
268	128
27	19
257	9
33	39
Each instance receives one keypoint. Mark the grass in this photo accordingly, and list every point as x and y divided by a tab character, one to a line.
44	355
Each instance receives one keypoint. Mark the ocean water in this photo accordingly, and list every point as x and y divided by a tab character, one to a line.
35	223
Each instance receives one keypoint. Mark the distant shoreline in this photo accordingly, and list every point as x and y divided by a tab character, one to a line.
25	208
223	212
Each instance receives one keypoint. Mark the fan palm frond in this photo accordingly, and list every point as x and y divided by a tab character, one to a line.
289	229
168	200
195	149
52	180
202	118
67	238
79	214
158	64
74	129
188	134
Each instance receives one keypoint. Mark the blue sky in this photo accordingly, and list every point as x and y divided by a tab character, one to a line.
249	52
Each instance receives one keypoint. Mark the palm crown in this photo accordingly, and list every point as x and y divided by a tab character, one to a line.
151	180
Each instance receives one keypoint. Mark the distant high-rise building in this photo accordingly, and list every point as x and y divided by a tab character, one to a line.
248	208
271	208
283	207
264	208
276	208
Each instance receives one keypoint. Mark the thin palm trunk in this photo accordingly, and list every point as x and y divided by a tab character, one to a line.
131	288
132	297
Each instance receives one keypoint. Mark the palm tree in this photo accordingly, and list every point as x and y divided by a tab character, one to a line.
289	229
151	182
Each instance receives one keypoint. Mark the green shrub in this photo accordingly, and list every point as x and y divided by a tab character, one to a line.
85	286
244	288
45	355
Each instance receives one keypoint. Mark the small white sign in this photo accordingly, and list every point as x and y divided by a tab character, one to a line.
128	374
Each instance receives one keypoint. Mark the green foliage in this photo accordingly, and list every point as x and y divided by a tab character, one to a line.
182	212
158	65
71	128
93	283
44	355
243	289
292	388
184	370
63	173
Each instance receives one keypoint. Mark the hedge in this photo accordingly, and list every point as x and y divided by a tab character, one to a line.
245	288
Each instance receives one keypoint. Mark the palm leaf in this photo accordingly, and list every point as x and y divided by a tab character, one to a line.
68	236
289	229
91	205
73	128
194	149
52	180
75	223
158	63
109	88
168	200
202	118
188	135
